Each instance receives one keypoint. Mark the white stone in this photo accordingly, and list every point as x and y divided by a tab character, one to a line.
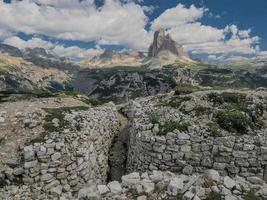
143	197
156	176
228	182
130	179
90	192
103	189
29	153
175	186
255	180
230	197
188	196
149	186
56	156
56	191
2	120
212	174
115	187
215	189
183	136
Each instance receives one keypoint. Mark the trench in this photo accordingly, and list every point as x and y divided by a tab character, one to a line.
118	152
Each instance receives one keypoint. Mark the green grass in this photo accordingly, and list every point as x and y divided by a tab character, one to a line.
213	129
58	113
171	126
185	89
214	196
234	120
175	101
251	196
154	117
176	197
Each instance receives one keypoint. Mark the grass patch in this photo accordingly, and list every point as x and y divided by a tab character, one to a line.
58	113
202	110
185	89
154	117
176	197
233	100
213	129
171	126
90	101
251	196
214	196
233	120
208	183
175	102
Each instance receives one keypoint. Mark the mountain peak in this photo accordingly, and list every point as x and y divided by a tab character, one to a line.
163	42
164	50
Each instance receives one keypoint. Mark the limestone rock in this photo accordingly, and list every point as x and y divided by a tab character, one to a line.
175	186
115	187
212	174
228	182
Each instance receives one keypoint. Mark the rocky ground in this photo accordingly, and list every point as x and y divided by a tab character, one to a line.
22	121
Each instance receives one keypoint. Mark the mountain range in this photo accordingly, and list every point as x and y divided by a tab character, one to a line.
119	75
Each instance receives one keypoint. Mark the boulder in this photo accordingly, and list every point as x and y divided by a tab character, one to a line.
130	179
115	187
175	186
212	174
228	182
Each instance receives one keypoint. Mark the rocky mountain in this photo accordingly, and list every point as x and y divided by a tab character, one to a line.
121	84
110	58
19	75
164	51
10	50
40	57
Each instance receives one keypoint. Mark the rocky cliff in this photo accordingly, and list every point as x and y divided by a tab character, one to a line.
19	75
122	84
110	58
164	50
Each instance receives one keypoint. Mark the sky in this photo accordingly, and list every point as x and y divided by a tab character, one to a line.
214	31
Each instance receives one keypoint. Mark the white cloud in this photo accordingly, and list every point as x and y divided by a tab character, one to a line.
72	51
179	15
114	23
183	25
120	22
32	43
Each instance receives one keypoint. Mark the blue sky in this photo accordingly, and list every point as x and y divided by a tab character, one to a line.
210	30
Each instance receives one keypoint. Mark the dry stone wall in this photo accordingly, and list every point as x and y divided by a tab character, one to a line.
188	152
196	149
66	162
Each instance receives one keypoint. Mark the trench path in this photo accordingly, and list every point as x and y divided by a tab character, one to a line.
118	151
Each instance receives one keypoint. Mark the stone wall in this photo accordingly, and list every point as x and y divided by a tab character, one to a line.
68	161
195	151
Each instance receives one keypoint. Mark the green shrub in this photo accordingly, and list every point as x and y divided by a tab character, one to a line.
91	101
175	101
214	196
177	197
185	89
201	110
233	120
213	128
153	117
171	126
251	196
233	100
59	113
